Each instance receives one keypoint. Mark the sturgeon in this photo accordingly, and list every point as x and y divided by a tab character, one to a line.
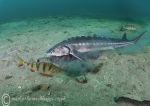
77	45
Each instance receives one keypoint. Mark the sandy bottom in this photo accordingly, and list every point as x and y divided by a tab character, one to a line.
121	74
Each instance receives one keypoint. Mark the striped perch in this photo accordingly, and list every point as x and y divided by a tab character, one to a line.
46	69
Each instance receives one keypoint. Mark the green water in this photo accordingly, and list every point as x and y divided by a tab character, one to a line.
28	29
119	75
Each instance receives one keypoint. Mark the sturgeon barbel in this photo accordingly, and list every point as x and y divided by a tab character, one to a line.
77	45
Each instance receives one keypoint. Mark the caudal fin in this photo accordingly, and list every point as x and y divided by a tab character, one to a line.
135	40
21	61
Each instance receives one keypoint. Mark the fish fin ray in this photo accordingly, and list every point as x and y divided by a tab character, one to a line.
135	40
124	37
77	55
21	61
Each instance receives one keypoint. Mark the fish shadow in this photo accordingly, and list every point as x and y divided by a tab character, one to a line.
71	65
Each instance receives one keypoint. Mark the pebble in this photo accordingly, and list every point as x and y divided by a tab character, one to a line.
43	87
8	77
81	79
19	87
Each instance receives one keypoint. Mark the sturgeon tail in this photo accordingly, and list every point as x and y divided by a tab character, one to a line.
135	40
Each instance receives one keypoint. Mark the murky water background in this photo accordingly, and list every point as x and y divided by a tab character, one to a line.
29	28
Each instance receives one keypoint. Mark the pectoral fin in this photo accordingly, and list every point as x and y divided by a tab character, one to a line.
77	55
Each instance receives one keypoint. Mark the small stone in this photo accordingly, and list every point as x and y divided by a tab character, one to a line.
8	77
43	87
109	85
81	79
19	87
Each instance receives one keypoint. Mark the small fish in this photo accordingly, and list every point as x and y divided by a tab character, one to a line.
46	69
128	27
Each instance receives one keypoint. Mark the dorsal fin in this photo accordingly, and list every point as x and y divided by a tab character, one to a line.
124	37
